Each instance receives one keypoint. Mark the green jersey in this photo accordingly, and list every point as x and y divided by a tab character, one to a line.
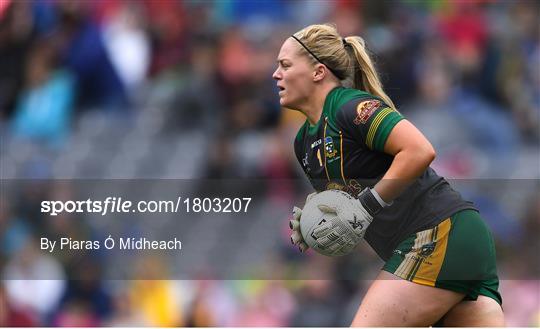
344	150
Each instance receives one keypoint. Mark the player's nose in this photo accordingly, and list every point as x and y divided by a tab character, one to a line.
277	74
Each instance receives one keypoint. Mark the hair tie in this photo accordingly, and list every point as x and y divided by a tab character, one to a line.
345	43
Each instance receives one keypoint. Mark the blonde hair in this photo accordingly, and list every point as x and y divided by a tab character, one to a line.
347	58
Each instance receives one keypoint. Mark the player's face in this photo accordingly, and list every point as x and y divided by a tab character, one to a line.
294	75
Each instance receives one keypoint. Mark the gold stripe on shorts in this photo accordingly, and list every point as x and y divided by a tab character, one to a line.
408	264
432	233
429	269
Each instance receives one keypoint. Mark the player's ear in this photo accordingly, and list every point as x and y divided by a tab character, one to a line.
319	73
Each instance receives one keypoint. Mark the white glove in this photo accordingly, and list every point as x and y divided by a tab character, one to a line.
294	224
341	235
352	226
354	214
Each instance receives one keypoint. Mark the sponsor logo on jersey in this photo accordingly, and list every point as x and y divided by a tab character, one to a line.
334	186
353	187
329	149
316	143
364	110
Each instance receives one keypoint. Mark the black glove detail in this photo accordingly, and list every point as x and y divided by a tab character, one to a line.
370	203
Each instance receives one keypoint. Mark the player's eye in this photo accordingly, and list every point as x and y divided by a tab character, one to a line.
284	65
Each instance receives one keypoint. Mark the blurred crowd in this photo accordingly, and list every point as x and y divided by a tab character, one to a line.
183	89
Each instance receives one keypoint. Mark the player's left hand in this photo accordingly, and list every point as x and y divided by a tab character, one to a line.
349	209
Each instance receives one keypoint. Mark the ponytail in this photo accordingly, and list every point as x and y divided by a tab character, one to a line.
364	75
347	58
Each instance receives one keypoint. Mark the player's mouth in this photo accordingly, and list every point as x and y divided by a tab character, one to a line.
281	89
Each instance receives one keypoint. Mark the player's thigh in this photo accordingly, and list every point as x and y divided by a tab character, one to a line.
483	312
391	301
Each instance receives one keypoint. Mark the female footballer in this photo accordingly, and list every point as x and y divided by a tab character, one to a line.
439	255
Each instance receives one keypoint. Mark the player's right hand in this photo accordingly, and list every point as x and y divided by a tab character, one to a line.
294	224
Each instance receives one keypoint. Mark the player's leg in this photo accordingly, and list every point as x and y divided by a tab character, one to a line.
484	312
438	267
391	301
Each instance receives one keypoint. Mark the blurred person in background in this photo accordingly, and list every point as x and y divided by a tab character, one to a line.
127	43
13	230
15	41
86	301
32	270
155	299
84	53
11	316
426	228
45	106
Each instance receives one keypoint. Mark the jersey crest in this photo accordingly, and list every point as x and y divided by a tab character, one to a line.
329	149
364	110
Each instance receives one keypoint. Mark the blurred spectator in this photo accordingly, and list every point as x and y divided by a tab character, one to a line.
167	22
14	232
44	108
85	54
156	302
31	270
124	313
86	300
15	41
155	299
212	304
127	44
14	317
